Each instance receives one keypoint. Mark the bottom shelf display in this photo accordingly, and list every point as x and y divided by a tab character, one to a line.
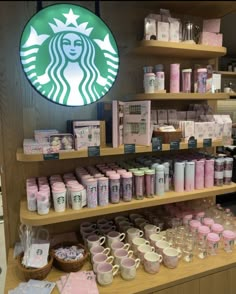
199	272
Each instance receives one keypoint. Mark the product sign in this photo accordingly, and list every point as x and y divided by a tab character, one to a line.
69	55
207	142
156	144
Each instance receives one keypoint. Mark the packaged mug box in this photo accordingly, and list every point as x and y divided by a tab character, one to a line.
60	142
30	146
42	136
211	25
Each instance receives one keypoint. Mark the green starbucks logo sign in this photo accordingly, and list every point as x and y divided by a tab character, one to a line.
69	55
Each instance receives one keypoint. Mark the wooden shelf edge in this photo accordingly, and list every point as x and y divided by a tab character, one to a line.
227	73
144	282
104	151
180	96
32	218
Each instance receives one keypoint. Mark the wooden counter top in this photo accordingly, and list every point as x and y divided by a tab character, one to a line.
144	282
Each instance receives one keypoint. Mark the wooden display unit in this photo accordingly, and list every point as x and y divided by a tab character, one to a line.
28	112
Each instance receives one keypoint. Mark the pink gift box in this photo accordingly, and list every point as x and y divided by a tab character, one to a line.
211	25
211	39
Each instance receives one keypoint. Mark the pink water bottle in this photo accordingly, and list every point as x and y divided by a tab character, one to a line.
103	191
199	174
218	229
186	80
212	243
91	191
203	231
174	78
209	173
228	239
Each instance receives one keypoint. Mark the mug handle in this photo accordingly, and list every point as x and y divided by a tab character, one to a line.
130	253
127	246
110	222
160	258
93	226
115	269
137	262
179	254
110	259
147	242
107	251
164	238
153	248
140	234
102	240
122	236
113	228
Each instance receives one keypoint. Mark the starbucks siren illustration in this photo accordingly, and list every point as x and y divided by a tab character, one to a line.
69	55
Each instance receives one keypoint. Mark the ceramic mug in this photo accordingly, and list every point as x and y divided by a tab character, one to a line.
87	225
153	238
132	233
106	272
120	254
161	245
101	258
171	257
142	249
114	236
94	240
120	218
150	229
119	245
99	249
137	241
103	221
151	262
128	268
133	216
105	229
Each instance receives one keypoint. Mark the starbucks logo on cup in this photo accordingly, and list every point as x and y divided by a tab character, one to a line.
69	55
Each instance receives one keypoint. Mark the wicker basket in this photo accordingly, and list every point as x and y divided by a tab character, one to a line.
36	274
69	266
168	137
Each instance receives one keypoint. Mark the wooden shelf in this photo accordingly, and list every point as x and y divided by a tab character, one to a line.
34	219
182	50
181	96
228	74
104	151
144	282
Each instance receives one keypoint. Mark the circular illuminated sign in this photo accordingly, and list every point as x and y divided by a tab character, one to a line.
69	55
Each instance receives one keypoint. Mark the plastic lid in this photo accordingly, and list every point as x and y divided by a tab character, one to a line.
229	234
194	223
77	187
160	167
102	179
188	216
114	176
213	237
208	221
139	173
218	228
149	172
187	70
133	169
127	175
201	70
159	67
203	229
144	168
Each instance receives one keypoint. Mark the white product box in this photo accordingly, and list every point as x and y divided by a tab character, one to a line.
199	131
210	130
154	116
162	116
30	146
174	30
216	83
163	31
150	29
42	136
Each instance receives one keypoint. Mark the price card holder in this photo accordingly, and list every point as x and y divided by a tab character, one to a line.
156	144
192	143
51	156
129	148
93	151
207	142
174	145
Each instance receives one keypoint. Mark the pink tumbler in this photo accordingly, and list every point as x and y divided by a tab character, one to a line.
174	78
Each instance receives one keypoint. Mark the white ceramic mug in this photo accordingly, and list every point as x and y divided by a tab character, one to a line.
101	258
114	236
94	240
120	254
151	229
128	268
132	233
142	249
171	257
119	245
99	249
151	262
161	245
106	272
137	242
153	238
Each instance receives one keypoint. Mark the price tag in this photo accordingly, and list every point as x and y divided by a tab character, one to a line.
129	148
93	151
156	144
174	145
192	143
51	156
207	142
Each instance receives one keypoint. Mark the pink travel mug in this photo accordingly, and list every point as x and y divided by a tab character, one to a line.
212	243
228	239
199	174
203	231
174	78
209	173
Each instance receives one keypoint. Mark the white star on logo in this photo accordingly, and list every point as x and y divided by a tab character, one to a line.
71	18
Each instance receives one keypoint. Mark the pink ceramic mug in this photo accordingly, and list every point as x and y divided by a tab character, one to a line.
151	262
128	267
171	257
106	272
101	258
